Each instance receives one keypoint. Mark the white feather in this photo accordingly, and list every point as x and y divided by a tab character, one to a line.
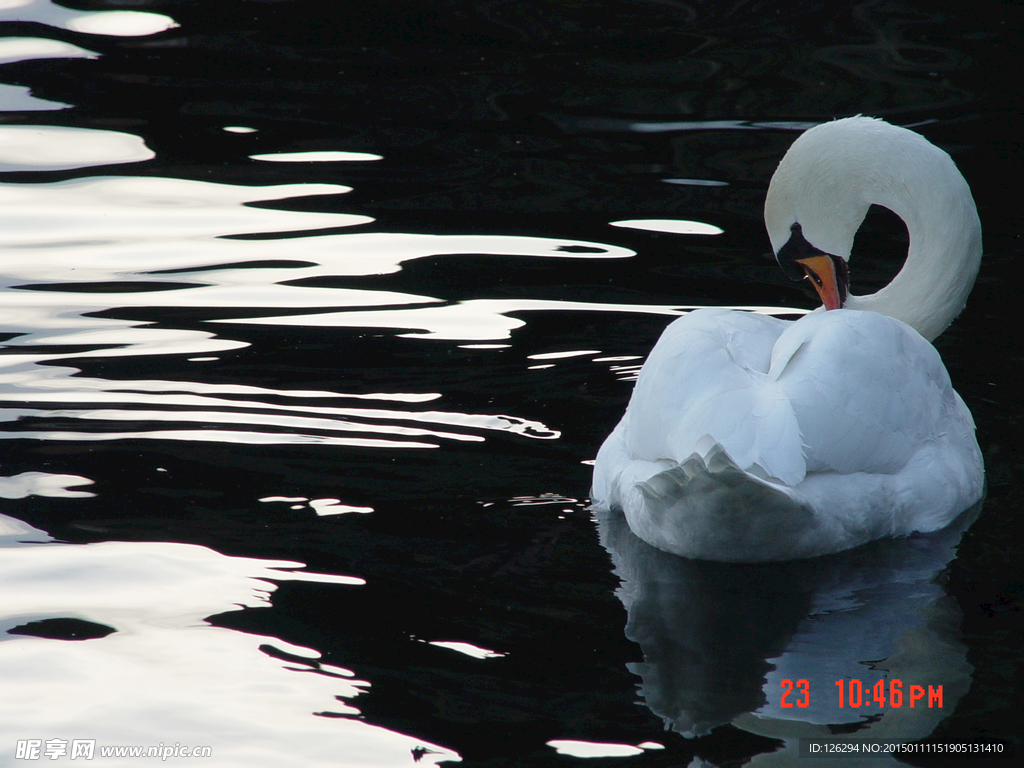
749	438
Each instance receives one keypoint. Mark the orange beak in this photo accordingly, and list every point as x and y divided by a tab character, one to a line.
822	273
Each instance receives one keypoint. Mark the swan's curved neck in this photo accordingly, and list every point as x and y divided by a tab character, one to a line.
835	171
945	246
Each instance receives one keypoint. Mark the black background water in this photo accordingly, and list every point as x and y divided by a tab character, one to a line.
532	119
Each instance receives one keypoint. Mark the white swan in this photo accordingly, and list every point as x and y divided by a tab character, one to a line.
749	438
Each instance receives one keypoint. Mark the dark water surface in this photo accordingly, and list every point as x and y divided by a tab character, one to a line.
295	446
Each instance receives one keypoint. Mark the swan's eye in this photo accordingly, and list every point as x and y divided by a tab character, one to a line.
813	277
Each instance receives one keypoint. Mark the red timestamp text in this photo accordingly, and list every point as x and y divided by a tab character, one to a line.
854	693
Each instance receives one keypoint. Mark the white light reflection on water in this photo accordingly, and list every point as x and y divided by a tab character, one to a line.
26	48
323	507
165	674
563	355
43	484
15	98
170	405
672	226
587	749
130	212
53	148
474	320
113	23
79	247
316	157
466	649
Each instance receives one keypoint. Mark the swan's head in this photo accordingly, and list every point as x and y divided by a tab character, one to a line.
827	272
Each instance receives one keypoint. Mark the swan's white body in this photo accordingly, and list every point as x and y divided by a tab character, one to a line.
749	438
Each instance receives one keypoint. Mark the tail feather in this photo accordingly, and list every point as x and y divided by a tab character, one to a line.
709	508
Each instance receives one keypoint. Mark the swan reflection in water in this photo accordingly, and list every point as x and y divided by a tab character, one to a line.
719	639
